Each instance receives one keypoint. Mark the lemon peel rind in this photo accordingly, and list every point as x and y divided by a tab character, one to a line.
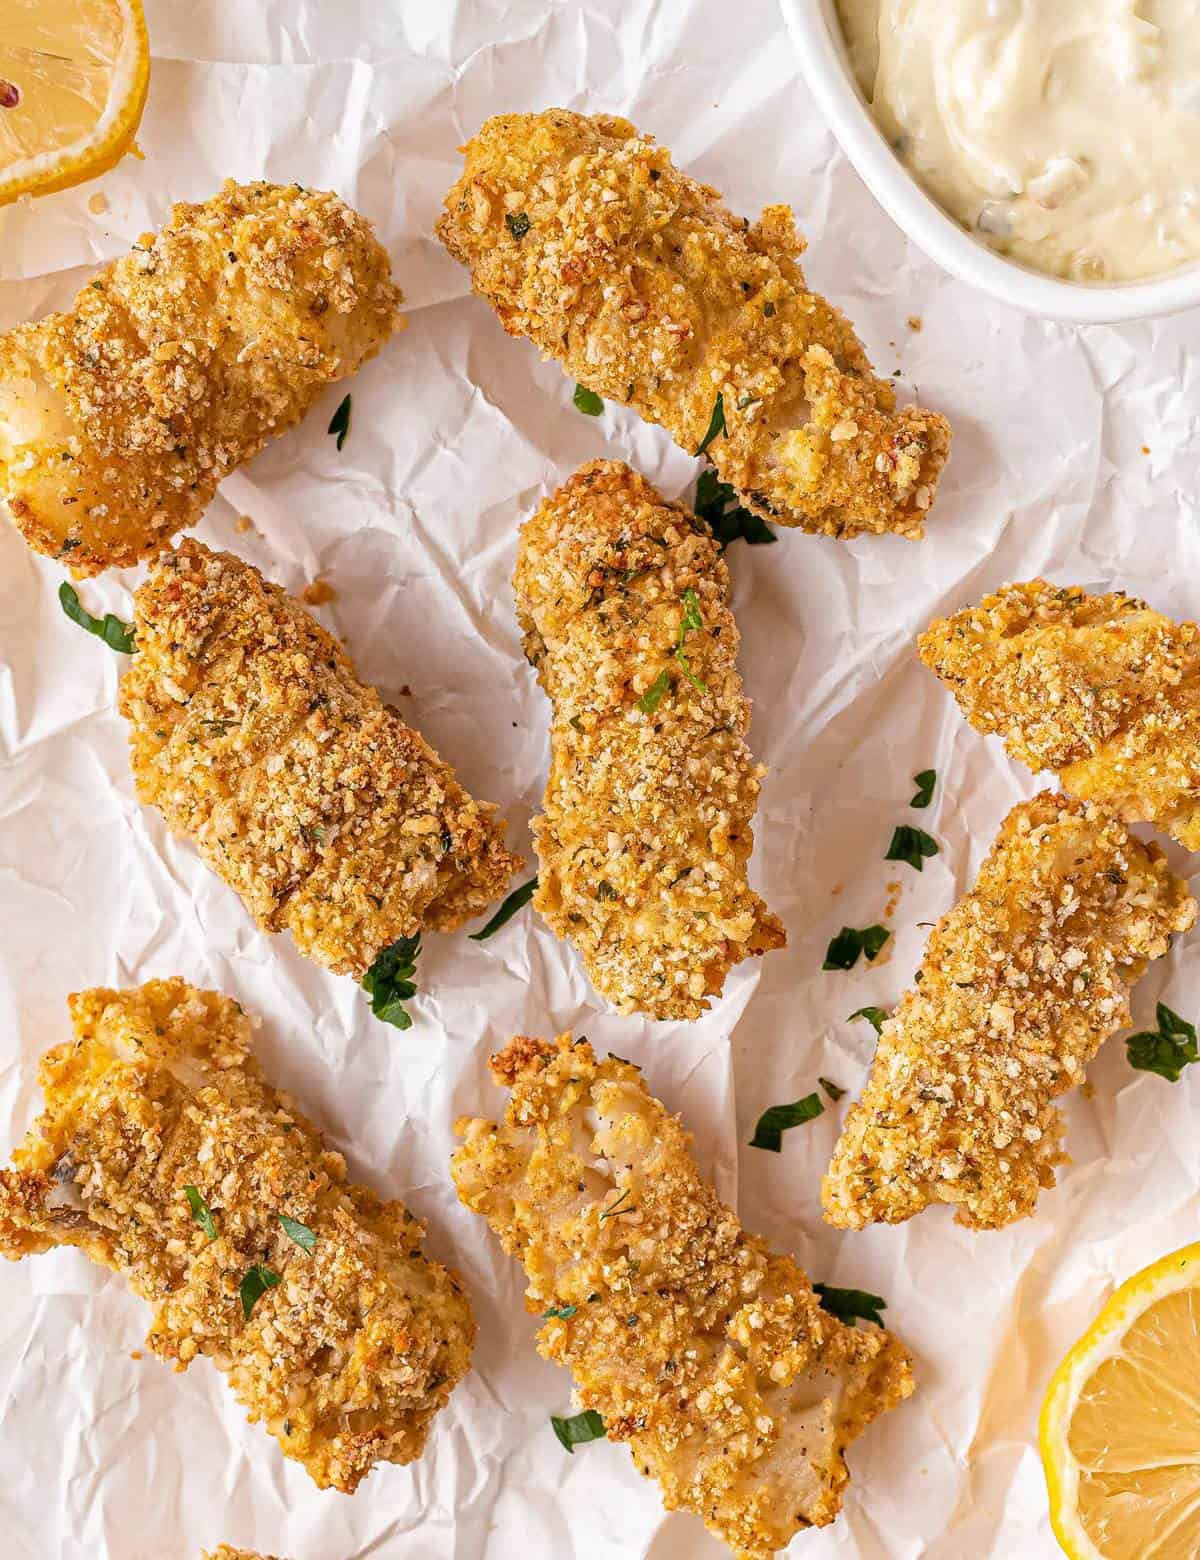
109	138
1177	1270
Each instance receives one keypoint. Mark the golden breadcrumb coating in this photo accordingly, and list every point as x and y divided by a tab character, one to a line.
1100	688
178	362
1020	985
705	1350
585	237
346	1359
253	736
646	836
227	1552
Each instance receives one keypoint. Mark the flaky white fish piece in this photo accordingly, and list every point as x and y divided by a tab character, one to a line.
1021	983
706	1351
584	236
164	1154
1101	689
179	361
252	734
646	833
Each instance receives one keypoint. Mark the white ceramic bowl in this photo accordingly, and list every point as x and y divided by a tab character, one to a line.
817	36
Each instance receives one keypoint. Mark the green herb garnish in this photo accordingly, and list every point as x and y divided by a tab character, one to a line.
201	1212
389	982
924	783
517	223
339	423
653	695
716	423
579	1429
115	634
300	1233
834	1092
849	1304
773	1123
690	623
712	504
911	845
587	402
843	951
874	1016
563	1312
614	1209
1167	1050
255	1285
517	900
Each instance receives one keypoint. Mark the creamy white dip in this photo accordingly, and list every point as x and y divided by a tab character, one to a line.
1064	133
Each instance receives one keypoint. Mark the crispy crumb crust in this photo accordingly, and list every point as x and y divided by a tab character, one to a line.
1100	688
1020	985
349	1357
179	361
584	236
646	835
227	1552
706	1351
251	733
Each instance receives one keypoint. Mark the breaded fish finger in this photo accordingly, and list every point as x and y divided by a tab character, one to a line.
1102	689
253	736
584	236
1021	984
646	835
705	1350
163	1154
178	362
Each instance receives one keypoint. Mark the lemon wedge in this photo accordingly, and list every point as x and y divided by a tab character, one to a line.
73	80
1120	1428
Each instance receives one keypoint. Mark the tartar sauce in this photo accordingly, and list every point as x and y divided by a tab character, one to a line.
1064	133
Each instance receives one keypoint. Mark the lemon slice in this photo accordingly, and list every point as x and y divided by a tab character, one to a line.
73	79
1120	1428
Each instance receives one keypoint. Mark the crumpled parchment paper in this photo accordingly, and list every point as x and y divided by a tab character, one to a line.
1074	456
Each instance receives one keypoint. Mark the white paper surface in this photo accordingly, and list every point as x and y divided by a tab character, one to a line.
458	431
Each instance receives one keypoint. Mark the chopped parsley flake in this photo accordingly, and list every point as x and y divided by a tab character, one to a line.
201	1212
716	504
874	1016
911	845
563	1312
339	423
115	634
255	1285
587	402
849	1304
690	623
1167	1050
716	425
517	223
517	900
389	982
834	1092
653	695
300	1233
843	951
924	783
579	1429
773	1123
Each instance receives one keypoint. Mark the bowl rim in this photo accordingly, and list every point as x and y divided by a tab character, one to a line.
817	38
